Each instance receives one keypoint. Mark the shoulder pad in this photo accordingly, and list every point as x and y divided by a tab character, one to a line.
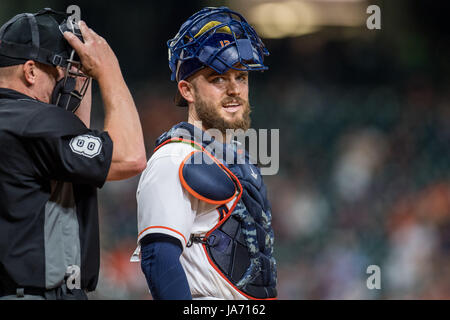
202	177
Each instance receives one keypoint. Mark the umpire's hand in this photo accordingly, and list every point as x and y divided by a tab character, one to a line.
97	58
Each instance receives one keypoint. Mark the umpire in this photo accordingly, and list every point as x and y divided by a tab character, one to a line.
51	163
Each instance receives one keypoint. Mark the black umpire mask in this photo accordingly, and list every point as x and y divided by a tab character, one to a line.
65	96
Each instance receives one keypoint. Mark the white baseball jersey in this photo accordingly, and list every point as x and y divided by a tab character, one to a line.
165	206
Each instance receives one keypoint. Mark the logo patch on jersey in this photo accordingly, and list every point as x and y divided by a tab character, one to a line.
86	145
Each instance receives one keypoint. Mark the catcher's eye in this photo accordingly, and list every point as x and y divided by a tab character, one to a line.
242	76
218	80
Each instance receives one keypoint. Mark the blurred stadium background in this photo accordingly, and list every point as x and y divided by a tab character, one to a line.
364	119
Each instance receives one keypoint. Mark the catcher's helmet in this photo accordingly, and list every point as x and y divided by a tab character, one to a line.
218	38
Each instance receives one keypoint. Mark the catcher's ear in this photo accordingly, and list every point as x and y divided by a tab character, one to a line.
186	90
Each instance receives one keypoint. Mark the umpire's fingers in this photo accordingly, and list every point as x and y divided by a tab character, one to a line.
87	33
97	58
74	42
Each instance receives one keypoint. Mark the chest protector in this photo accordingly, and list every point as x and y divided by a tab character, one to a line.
240	245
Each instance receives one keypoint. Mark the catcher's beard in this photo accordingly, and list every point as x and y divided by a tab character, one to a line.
211	118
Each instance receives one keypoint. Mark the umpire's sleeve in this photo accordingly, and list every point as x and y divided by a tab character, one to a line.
63	149
83	159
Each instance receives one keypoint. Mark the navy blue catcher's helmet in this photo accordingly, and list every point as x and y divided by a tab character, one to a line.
218	38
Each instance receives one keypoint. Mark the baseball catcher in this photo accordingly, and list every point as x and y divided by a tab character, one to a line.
204	220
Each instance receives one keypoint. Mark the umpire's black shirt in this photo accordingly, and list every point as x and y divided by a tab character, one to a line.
51	165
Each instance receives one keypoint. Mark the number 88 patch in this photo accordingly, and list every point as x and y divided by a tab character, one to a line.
86	145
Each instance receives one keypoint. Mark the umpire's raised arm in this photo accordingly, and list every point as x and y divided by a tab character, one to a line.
121	117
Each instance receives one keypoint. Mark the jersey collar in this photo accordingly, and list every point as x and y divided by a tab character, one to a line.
6	93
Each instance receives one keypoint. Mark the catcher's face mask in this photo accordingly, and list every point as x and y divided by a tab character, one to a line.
65	93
